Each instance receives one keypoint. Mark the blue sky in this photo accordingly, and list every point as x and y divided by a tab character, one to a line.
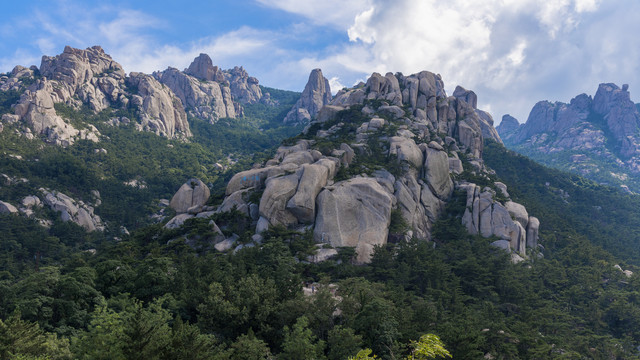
513	53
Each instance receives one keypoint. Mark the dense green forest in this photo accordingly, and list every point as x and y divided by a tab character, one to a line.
214	154
154	295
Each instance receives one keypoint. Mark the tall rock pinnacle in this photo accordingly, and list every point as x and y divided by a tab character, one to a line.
316	94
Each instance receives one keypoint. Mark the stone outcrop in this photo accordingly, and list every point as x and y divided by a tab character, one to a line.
36	110
436	171
508	127
424	95
202	68
303	204
73	210
6	208
14	81
192	195
354	213
488	217
315	95
92	78
162	111
298	187
589	130
209	100
91	75
242	87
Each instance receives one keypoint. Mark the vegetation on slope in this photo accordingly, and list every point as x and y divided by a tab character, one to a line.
153	296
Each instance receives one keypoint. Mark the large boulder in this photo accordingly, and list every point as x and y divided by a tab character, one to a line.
235	200
518	212
354	213
253	178
532	232
5	207
273	204
303	204
192	193
406	150
436	172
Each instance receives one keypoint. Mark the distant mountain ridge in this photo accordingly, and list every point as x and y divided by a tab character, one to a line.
597	137
93	79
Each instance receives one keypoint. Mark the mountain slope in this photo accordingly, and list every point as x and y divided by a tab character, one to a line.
595	137
112	173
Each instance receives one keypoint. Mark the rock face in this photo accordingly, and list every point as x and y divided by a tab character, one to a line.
92	78
193	193
315	95
36	110
510	221
589	130
5	207
242	87
413	127
211	93
428	104
73	210
162	111
485	119
90	74
508	127
207	100
202	68
354	213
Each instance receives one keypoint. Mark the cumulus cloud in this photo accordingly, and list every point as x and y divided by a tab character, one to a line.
337	13
511	52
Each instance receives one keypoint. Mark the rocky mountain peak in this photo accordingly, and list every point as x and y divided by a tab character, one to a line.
244	88
468	96
75	66
202	68
603	129
315	95
508	126
396	143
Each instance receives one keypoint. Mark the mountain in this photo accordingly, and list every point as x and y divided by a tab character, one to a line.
81	138
316	94
596	137
372	150
389	214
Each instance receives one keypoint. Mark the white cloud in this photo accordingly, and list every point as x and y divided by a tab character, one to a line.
511	52
335	84
337	13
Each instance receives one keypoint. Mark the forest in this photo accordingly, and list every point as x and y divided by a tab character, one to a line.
68	294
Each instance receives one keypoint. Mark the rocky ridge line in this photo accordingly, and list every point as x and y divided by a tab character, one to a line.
427	134
92	78
604	127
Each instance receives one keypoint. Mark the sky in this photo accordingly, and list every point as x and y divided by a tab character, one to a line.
512	53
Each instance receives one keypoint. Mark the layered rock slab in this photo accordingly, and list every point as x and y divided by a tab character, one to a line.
354	213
